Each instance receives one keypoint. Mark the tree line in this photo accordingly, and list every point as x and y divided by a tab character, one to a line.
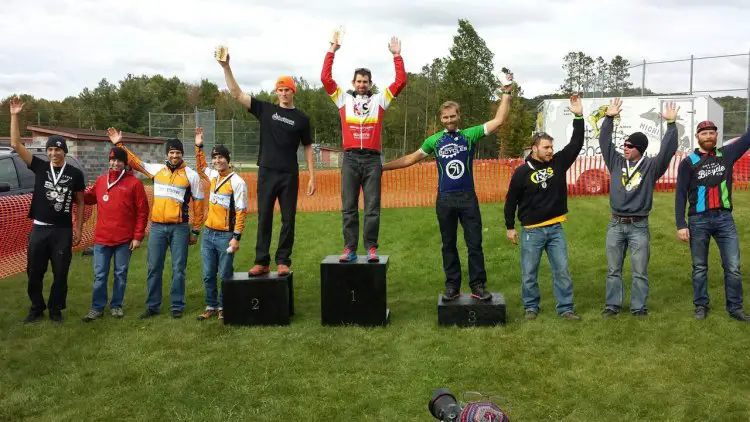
466	75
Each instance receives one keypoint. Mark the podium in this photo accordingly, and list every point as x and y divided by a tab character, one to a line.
466	311
353	292
264	300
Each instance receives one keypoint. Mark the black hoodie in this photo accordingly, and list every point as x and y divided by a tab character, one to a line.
539	190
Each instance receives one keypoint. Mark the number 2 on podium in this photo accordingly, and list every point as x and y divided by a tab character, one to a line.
256	303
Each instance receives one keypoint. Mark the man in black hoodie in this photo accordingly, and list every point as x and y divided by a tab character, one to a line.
538	189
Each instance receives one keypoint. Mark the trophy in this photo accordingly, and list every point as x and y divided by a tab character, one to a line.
338	35
221	53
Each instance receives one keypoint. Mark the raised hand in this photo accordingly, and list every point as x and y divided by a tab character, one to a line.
506	80
221	54
16	105
670	114
115	136
614	107
198	136
394	46
576	105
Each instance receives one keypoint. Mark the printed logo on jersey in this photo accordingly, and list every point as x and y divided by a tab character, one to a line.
455	169
361	108
451	150
711	169
282	119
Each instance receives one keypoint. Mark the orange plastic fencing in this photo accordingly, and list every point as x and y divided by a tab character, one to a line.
415	186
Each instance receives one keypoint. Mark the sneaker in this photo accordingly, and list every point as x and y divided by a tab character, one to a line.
700	312
282	270
531	315
348	256
221	315
176	314
640	314
740	315
56	317
609	313
478	292
571	316
451	294
148	313
33	317
92	315
372	255
258	270
117	312
208	313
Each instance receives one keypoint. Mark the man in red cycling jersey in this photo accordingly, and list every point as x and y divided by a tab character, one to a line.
362	115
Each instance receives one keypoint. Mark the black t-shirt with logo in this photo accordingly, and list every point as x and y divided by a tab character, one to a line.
52	203
281	132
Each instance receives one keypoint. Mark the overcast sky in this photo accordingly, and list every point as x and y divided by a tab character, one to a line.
55	48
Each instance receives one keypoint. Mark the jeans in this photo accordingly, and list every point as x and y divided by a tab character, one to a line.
102	257
620	237
272	185
361	168
533	243
175	237
215	258
452	208
49	244
720	226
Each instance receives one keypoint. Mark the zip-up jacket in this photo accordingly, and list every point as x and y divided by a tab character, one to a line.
227	199
362	115
174	190
540	190
124	215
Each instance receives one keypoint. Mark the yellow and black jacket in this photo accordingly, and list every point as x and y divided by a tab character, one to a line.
227	202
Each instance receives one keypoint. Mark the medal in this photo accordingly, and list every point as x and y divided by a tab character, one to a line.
53	194
55	180
58	206
105	197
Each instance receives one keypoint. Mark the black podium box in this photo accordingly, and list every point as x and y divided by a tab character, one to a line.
469	312
262	300
353	292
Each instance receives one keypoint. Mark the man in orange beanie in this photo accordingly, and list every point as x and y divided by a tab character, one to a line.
282	129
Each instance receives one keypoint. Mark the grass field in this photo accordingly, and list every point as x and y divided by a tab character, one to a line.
664	368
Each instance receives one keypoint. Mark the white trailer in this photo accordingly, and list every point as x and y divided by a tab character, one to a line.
638	114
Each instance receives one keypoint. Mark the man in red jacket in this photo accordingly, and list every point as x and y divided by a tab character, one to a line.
122	216
362	114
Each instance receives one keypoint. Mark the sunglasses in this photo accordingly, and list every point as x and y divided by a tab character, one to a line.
362	70
629	146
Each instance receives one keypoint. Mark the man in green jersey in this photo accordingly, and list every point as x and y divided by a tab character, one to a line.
456	202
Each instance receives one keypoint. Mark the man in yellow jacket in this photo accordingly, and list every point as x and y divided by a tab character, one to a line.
227	207
175	186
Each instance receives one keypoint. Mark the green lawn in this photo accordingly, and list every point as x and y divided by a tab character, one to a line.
667	367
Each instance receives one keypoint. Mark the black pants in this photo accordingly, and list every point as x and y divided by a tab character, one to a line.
361	169
272	185
464	207
49	244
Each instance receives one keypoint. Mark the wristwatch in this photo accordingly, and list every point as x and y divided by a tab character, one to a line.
236	236
195	232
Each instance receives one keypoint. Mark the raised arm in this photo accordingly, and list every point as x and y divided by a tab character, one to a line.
200	156
115	136
570	152
668	146
611	157
234	88
734	151
398	62
326	75
16	106
502	110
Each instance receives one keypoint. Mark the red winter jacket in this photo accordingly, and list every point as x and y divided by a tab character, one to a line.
124	216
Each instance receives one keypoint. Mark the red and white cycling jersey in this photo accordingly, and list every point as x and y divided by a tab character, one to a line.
362	115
